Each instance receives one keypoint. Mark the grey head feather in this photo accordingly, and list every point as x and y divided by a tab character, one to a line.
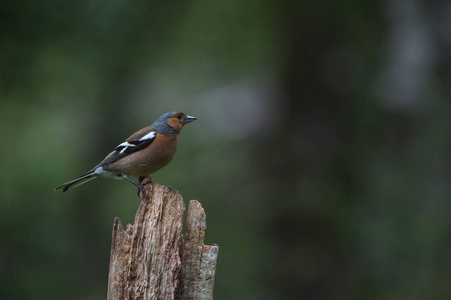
161	125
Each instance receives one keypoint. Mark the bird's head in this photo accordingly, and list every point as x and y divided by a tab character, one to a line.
172	122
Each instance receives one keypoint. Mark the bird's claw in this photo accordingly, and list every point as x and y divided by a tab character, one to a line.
142	192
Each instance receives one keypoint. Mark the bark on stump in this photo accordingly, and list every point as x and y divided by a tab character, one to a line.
199	260
146	258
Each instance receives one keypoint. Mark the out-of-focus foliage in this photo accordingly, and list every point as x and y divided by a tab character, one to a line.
321	152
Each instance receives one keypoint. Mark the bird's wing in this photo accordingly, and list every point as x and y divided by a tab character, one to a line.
136	142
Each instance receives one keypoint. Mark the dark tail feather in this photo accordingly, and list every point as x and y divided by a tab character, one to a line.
76	182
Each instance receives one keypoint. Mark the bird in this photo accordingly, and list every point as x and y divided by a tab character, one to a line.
143	153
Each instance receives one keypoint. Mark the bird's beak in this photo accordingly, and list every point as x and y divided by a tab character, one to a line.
189	119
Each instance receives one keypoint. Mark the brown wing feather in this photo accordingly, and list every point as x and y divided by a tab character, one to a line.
139	134
120	152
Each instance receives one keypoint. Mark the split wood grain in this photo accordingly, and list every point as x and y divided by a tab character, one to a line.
145	258
152	260
199	260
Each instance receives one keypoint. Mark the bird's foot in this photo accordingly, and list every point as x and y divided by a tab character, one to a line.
142	192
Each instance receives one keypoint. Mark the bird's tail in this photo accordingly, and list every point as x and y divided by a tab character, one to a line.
76	182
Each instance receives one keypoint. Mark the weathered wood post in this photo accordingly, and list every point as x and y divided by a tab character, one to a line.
152	260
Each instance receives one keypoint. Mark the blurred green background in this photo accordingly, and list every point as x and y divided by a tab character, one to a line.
321	153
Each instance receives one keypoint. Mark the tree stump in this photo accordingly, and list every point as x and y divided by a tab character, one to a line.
199	260
146	258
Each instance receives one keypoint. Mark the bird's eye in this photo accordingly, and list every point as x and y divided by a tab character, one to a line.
179	116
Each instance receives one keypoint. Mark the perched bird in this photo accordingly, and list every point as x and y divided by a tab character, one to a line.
143	153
